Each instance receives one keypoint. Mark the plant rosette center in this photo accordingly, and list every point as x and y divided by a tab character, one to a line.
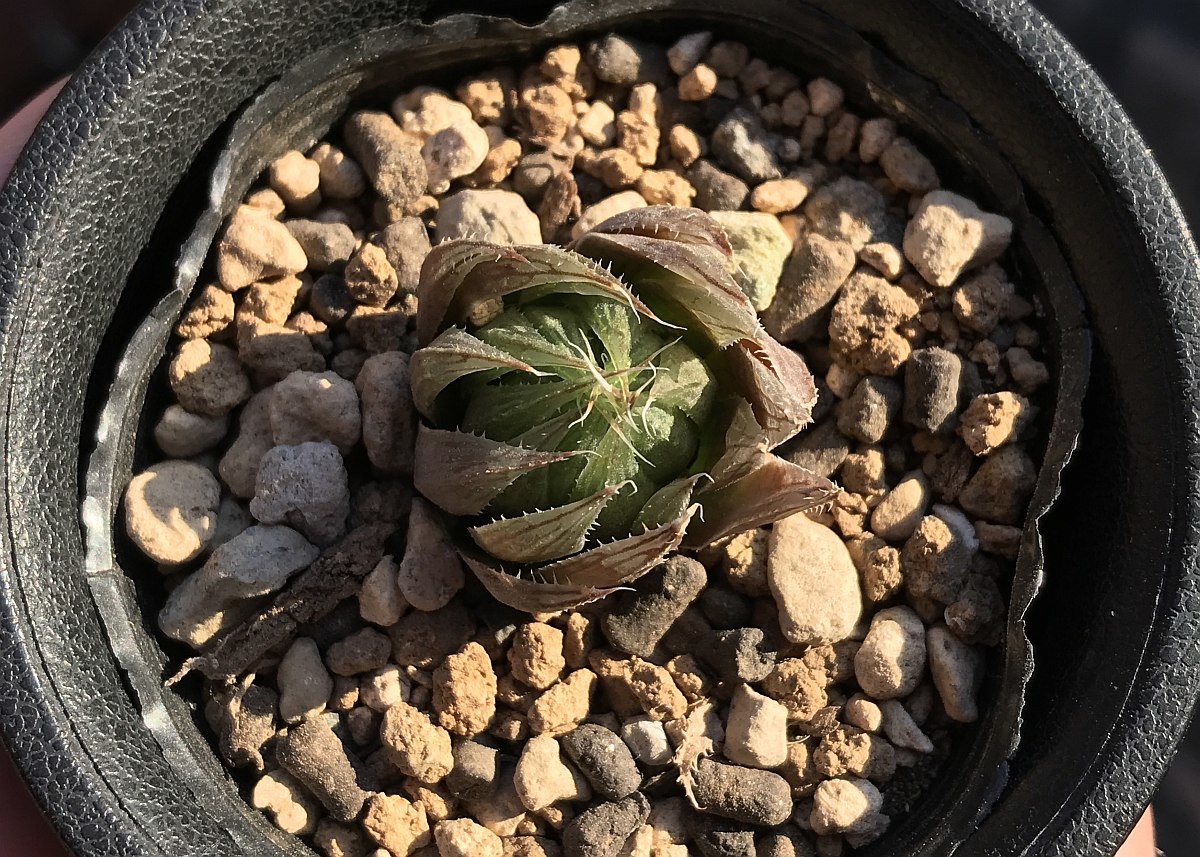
588	410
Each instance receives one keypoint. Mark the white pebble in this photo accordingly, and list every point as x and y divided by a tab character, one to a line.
957	670
647	740
431	572
756	735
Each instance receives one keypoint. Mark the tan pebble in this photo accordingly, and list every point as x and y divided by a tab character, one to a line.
253	246
842	135
798	769
464	691
462	837
993	419
617	168
563	706
297	181
824	96
1000	539
755	76
901	509
777	196
598	124
438	805
579	639
209	313
756	732
382	688
810	282
686	146
396	824
288	805
891	661
812	129
388	414
207	378
907	168
414	744
884	258
315	406
485	96
936	559
536	655
949	234
1028	374
171	511
389	156
549	112
980	302
340	840
745	562
864	714
544	777
425	111
270	301
794	108
685	671
304	684
799	685
865	322
655	690
698	83
814	582
239	466
379	599
340	176
844	805
273	351
266	200
454	152
847	750
181	434
665	187
878	566
874	138
639	136
1000	490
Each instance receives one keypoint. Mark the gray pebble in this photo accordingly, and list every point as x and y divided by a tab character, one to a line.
688	634
725	840
716	190
312	754
789	842
475	772
866	415
725	609
931	383
742	145
330	300
327	246
738	655
820	449
621	60
533	172
406	244
602	830
604	759
742	794
639	619
825	401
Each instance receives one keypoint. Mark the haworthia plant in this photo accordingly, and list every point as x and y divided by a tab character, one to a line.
587	410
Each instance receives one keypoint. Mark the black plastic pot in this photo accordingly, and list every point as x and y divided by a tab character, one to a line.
118	175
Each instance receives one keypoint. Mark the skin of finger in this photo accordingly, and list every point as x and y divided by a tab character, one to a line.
15	131
1141	839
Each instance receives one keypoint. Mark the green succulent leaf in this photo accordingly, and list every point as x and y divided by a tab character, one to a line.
589	408
453	355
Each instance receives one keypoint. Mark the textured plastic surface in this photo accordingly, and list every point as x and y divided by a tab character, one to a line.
84	258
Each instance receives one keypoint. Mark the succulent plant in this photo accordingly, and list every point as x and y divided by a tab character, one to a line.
589	409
